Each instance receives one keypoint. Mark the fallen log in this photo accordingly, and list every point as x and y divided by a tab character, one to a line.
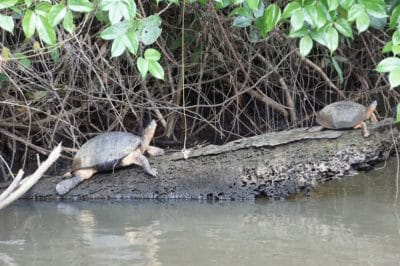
272	165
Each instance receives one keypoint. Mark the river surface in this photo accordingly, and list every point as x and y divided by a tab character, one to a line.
354	221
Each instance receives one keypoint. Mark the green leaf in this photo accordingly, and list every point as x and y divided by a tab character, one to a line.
28	3
115	31
118	46
130	10
143	66
315	16
29	23
151	30
23	60
7	23
289	9
116	12
269	20
396	37
43	9
253	4
80	5
105	5
377	23
346	4
56	14
355	11
343	27
152	54
297	19
388	64
45	30
333	4
68	22
319	36
338	69
362	22
242	22
156	70
394	18
132	42
388	47
398	113
55	54
396	49
259	11
394	78
7	3
375	8
306	44
298	33
332	39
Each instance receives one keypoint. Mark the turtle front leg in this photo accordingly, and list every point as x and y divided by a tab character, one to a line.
143	162
364	129
155	151
373	118
137	158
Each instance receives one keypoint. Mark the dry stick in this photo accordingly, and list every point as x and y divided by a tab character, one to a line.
323	75
269	101
285	88
12	186
156	109
232	49
262	97
289	99
31	180
317	69
27	143
169	131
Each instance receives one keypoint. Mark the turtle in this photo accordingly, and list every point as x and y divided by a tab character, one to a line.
346	114
109	151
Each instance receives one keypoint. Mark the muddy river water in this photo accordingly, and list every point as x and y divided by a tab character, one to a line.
354	221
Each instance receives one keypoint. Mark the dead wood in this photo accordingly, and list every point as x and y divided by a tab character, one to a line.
273	165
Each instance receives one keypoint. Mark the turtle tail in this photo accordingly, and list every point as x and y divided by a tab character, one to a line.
66	185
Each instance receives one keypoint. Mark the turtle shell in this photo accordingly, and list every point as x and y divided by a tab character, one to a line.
344	114
105	151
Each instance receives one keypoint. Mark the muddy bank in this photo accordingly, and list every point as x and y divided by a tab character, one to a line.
273	165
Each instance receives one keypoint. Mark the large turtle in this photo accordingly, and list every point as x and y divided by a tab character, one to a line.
346	114
109	151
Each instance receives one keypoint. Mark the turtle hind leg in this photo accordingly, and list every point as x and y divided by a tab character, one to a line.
148	136
155	151
80	175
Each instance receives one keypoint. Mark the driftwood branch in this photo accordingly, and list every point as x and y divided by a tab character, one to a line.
272	165
20	186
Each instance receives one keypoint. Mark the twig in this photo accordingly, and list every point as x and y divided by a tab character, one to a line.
323	75
19	188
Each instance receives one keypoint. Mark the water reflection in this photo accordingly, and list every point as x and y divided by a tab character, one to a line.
349	222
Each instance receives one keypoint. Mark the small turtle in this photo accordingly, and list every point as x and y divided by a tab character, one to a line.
109	151
346	114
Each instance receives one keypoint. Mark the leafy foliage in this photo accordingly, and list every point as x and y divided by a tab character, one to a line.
313	22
